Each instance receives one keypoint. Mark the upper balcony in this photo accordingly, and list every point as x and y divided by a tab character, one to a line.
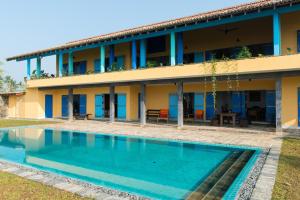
176	51
242	66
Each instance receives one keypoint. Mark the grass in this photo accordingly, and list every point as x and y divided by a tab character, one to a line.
287	185
14	122
13	187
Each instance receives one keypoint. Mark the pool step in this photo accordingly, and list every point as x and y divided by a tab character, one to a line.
215	186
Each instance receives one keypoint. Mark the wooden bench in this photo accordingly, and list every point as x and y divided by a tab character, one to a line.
152	114
84	116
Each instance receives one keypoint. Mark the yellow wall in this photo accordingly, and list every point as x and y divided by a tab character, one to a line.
290	87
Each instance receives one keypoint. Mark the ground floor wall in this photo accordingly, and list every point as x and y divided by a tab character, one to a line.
32	104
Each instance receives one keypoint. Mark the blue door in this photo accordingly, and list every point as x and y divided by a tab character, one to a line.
198	102
64	106
48	106
121	114
99	106
97	66
82	104
48	137
198	57
210	110
173	106
238	103
120	62
83	67
270	106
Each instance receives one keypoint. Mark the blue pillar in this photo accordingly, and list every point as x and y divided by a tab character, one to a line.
70	67
28	69
60	64
38	67
102	59
111	55
172	49
143	53
133	54
180	48
276	34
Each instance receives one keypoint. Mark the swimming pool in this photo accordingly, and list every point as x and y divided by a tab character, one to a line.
152	168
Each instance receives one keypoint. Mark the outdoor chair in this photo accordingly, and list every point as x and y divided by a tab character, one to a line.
163	115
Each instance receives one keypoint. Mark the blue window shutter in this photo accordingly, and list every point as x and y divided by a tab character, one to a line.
298	41
48	106
97	66
173	106
64	106
83	67
99	106
82	104
270	106
120	62
198	57
210	110
121	106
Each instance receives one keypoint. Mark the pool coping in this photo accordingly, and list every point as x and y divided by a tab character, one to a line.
241	188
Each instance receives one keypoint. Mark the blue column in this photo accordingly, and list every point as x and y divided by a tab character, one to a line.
276	34
111	55
60	64
70	67
38	67
28	69
143	53
102	59
133	54
180	48
172	49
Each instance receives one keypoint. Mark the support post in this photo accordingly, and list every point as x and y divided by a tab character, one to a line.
70	64
278	95
102	59
143	105
60	64
143	53
111	56
28	69
276	34
180	104
133	54
70	103
38	67
112	103
180	48
172	49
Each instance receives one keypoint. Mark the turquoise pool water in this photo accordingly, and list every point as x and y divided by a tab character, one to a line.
148	167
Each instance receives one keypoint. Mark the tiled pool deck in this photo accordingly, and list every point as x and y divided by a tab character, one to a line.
262	137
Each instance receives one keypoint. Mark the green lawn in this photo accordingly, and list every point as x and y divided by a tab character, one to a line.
15	122
13	187
287	184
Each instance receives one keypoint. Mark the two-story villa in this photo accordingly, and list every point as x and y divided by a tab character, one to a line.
242	60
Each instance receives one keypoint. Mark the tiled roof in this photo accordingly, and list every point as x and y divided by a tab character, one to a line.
234	10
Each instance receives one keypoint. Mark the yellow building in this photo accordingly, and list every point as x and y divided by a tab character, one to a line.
241	60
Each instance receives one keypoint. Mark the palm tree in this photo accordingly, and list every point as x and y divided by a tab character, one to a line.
10	84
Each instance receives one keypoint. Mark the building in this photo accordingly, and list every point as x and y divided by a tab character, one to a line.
195	63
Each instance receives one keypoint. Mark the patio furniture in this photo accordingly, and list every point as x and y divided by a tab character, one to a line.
163	115
82	116
227	115
199	114
152	114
